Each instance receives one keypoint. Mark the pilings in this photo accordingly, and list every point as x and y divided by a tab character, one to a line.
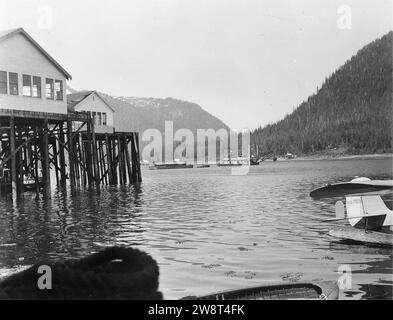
113	160
33	147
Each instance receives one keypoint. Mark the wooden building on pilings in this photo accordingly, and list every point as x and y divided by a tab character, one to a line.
38	134
32	143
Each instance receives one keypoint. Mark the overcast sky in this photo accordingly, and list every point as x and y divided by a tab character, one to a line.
248	62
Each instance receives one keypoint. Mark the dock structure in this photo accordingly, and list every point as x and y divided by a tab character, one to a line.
45	136
33	143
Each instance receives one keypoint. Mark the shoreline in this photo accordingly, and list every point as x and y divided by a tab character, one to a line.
371	156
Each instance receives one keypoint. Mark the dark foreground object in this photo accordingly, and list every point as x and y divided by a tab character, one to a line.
114	273
288	291
352	187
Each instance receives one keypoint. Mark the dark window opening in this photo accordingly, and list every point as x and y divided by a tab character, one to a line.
26	85
58	90
36	87
49	89
13	80
3	82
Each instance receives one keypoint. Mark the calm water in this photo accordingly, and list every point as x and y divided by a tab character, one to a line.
208	230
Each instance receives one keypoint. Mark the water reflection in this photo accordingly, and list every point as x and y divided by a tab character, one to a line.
208	230
64	226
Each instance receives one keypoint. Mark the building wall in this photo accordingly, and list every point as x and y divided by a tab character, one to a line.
18	55
95	103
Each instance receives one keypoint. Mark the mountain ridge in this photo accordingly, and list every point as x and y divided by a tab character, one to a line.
139	114
351	111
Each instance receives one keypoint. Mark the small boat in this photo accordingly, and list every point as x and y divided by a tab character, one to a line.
357	185
203	166
285	291
29	183
232	162
173	165
254	161
229	164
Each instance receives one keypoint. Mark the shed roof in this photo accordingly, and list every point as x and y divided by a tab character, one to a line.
73	99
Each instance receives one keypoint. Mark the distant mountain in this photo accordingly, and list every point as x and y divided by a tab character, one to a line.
139	114
351	112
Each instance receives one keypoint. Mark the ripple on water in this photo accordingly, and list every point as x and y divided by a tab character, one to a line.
208	230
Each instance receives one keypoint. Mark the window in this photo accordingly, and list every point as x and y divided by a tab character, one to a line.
58	90
104	119
49	89
3	82
36	87
98	118
26	85
13	79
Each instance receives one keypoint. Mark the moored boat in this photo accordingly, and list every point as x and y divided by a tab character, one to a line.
282	291
232	162
254	161
173	165
357	185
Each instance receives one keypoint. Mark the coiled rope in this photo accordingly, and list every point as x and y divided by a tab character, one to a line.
114	273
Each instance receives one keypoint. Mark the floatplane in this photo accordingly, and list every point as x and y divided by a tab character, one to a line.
369	217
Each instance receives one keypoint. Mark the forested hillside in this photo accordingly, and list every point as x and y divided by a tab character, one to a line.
352	111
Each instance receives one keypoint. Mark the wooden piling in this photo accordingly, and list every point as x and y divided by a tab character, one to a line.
115	160
46	167
61	155
137	158
95	158
134	162
108	158
36	158
13	159
56	164
34	142
19	158
70	144
128	160
89	157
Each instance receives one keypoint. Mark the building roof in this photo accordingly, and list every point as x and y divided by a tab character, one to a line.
6	34
73	99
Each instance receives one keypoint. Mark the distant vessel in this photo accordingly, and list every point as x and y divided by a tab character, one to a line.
29	183
254	161
203	166
172	165
231	162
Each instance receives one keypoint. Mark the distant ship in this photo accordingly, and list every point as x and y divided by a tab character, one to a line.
254	161
171	165
232	162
